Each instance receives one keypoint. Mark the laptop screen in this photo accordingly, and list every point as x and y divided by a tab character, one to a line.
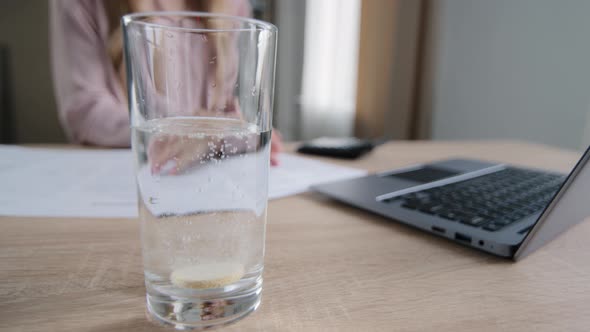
566	208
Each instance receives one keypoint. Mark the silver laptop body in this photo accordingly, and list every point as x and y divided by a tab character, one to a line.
504	210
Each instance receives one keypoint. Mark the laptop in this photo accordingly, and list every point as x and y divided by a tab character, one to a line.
501	209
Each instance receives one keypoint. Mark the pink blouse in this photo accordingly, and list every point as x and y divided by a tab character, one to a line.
91	102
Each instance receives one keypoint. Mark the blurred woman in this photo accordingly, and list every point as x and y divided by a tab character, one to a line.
88	67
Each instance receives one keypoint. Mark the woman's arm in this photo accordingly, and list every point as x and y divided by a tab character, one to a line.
90	98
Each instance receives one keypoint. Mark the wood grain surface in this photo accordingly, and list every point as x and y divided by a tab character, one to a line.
329	267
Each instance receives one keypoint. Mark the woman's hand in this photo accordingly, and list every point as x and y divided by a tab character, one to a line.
276	146
171	154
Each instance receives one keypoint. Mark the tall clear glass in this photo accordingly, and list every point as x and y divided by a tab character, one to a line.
200	90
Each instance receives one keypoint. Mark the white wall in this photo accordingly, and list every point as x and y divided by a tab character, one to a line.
290	20
511	69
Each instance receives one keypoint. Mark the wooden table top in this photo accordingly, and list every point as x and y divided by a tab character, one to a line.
329	267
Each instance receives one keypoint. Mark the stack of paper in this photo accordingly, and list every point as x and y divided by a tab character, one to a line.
101	183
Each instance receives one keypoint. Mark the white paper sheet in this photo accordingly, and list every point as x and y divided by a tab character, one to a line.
101	183
296	174
68	183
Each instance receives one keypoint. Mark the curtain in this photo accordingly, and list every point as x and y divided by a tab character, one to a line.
329	83
392	70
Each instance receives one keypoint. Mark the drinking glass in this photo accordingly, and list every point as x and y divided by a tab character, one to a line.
200	89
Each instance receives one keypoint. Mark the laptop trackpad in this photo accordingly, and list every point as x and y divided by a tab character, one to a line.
424	174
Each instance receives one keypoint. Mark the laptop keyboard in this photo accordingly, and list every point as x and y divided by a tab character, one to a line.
491	201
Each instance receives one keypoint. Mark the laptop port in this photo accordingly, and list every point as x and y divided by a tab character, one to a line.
463	238
438	229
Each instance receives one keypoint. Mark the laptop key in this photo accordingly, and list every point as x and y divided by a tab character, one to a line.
513	217
430	208
502	221
473	221
409	206
492	227
449	215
